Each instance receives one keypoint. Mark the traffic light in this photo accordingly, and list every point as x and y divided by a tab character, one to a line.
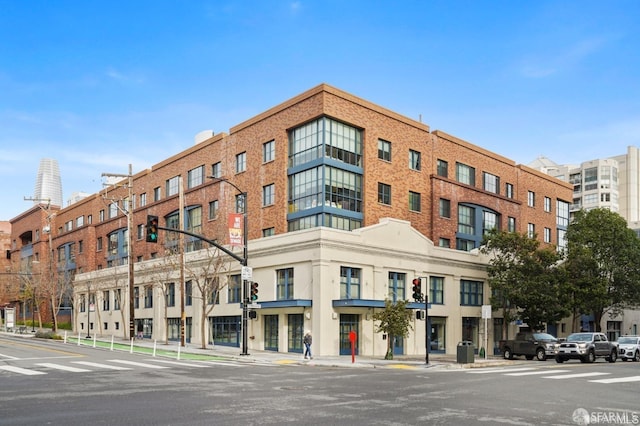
152	229
417	289
254	291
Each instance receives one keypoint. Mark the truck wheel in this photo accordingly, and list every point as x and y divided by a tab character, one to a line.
541	355
637	356
613	356
559	359
507	354
591	357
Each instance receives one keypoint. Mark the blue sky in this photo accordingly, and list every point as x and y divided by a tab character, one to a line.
101	85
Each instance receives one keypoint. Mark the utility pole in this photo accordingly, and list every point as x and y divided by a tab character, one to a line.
181	248
128	211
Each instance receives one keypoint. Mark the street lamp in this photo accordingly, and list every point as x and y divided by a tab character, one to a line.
245	258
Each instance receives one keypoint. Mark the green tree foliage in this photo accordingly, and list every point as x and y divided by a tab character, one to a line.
394	321
603	261
526	282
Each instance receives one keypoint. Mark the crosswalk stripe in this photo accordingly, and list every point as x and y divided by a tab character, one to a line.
572	376
531	373
19	370
181	364
137	364
63	367
499	370
104	366
618	380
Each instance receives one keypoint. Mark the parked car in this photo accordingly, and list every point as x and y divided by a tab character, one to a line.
629	348
531	344
587	347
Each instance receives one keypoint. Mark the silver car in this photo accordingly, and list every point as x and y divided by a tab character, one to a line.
629	348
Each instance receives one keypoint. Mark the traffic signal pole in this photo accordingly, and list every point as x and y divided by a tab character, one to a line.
418	296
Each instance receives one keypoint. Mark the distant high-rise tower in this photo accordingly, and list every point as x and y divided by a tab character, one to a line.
48	183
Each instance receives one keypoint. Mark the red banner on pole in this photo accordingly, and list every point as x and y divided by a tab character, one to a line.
235	229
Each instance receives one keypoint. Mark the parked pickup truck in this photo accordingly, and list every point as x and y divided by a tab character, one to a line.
587	347
531	344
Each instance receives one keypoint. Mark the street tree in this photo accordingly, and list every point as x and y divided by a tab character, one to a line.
524	278
394	321
603	264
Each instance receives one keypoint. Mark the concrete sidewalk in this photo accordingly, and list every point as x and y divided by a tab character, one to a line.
173	350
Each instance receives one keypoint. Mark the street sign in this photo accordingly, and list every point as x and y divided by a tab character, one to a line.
486	311
247	273
254	306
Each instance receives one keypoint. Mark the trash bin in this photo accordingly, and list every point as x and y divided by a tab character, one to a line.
465	352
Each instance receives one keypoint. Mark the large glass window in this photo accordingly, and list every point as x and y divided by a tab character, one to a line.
471	293
329	191
466	220
235	289
194	224
284	284
171	294
590	178
397	286
436	290
350	282
340	141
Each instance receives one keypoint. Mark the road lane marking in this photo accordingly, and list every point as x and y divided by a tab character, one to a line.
137	364
618	380
531	373
104	366
181	364
8	356
572	376
19	370
499	370
63	367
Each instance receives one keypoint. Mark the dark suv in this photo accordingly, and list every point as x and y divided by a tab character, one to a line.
587	347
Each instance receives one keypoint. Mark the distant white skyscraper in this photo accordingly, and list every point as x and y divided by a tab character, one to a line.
48	183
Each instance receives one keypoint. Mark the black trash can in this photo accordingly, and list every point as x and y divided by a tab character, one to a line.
465	352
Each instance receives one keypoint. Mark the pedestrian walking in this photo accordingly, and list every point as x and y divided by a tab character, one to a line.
307	344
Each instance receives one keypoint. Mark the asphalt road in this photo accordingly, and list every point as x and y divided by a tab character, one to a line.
46	383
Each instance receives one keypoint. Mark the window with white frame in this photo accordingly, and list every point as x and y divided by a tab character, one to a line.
491	183
465	174
384	150
241	162
547	235
531	230
350	282
414	160
547	204
195	177
216	170
172	186
268	195
531	198
268	151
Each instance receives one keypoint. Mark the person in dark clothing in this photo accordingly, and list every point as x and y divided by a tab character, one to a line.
307	345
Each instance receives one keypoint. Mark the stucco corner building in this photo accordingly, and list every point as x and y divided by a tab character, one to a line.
347	202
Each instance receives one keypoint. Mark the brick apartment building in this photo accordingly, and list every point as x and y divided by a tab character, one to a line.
346	202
